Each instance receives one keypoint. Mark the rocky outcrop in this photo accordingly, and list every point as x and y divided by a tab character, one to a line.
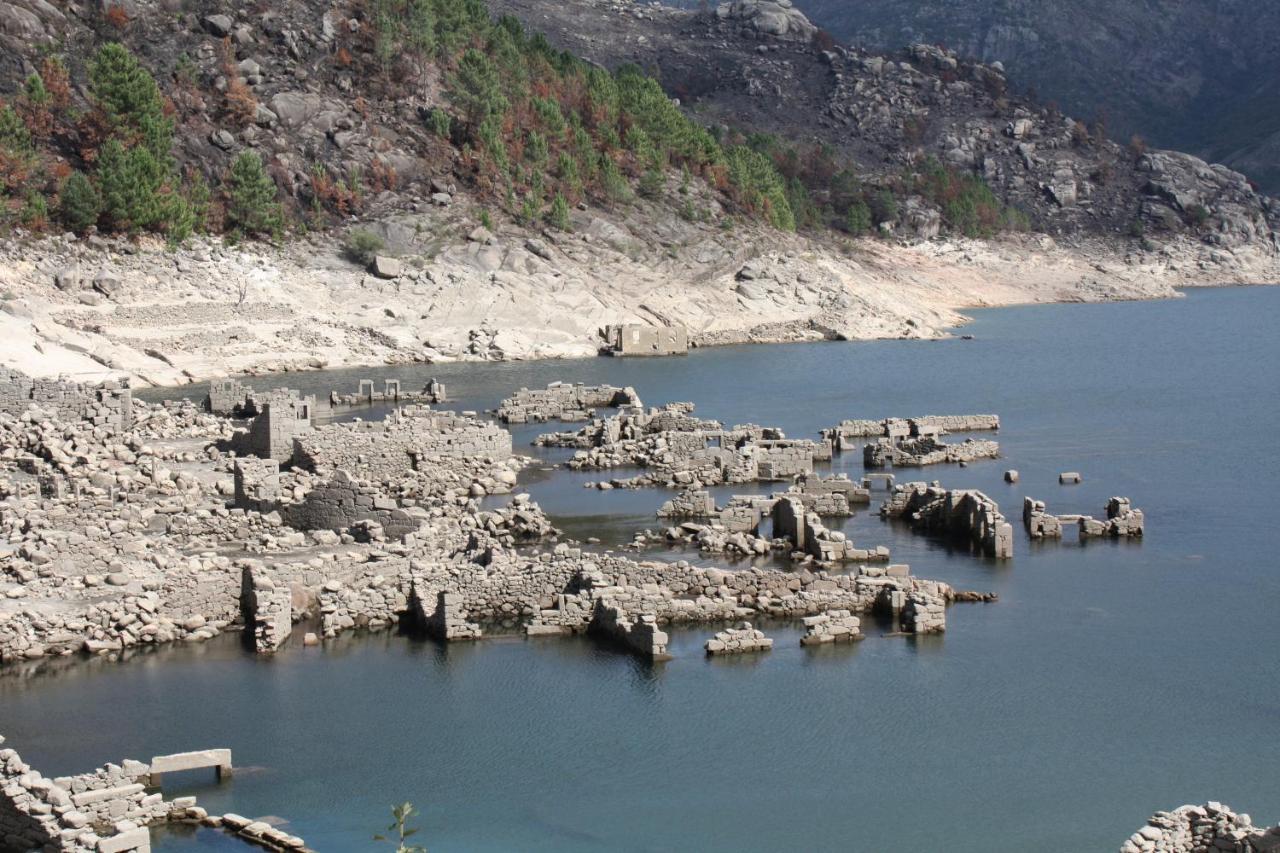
772	18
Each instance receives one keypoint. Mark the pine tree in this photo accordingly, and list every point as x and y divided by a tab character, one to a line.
79	202
251	197
129	98
559	213
14	137
131	181
476	88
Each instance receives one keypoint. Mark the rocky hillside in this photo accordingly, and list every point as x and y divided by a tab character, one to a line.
1198	75
447	184
763	64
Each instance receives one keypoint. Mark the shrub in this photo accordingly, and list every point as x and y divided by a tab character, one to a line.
251	197
857	219
79	202
14	137
440	123
651	183
759	186
558	216
486	220
361	246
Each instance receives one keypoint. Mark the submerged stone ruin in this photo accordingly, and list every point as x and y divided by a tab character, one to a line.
848	434
925	450
636	339
960	513
1210	828
565	402
1122	521
109	810
739	640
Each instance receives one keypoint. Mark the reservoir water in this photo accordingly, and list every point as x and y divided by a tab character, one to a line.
1109	681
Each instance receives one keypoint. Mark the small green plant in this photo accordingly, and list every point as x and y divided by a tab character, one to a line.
79	202
857	219
399	832
558	216
361	246
651	184
486	220
440	123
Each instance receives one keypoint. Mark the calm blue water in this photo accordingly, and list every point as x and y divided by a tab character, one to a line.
1109	681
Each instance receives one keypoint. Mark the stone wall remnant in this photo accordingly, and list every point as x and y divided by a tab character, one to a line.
961	513
636	339
739	640
834	626
565	402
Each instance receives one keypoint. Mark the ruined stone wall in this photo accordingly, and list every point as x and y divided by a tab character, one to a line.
103	811
962	513
635	339
1211	828
268	609
284	418
563	401
384	450
925	450
227	397
342	502
256	483
109	404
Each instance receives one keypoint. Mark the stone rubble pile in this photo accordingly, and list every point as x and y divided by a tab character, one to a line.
1210	828
738	640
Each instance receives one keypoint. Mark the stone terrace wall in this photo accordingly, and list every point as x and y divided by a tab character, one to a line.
384	450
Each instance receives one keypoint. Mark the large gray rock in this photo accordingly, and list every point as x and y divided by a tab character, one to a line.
384	267
218	25
777	18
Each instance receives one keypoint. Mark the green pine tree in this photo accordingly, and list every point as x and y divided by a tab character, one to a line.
79	202
129	98
131	181
251	197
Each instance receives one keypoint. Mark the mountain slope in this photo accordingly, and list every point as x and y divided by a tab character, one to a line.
1198	75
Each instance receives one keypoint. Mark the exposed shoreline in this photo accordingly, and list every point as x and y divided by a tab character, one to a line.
170	318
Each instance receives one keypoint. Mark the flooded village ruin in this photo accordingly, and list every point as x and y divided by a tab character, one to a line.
285	518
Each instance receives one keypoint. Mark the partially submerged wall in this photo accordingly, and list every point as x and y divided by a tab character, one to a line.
961	513
636	339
